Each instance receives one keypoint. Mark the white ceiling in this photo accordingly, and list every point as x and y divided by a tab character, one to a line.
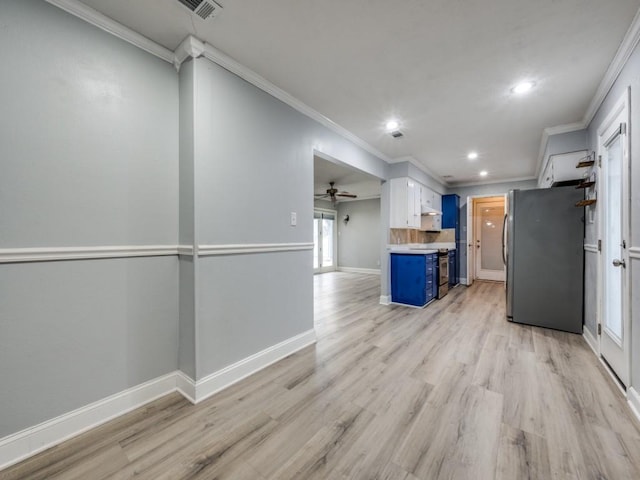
443	67
346	178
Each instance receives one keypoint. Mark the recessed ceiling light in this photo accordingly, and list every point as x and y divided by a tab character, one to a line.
392	125
484	173
523	87
472	155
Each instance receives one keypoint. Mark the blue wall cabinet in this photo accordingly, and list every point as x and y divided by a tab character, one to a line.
413	278
451	219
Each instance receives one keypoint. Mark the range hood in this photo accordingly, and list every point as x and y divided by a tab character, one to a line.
427	210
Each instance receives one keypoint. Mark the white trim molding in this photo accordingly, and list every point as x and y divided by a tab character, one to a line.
15	255
33	440
190	47
491	182
631	39
590	339
232	374
463	281
97	19
186	386
634	252
385	299
239	249
368	271
228	63
634	401
26	443
590	248
187	250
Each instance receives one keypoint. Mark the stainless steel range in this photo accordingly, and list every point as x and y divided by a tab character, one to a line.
443	272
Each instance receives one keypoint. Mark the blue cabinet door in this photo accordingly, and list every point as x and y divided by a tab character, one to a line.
453	268
408	279
451	213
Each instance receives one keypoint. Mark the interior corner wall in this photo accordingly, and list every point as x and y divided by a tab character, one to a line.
359	238
186	227
629	77
254	164
88	157
481	190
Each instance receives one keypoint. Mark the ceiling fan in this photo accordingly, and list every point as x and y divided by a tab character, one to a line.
333	193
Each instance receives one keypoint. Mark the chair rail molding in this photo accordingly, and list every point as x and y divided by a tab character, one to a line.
48	254
238	249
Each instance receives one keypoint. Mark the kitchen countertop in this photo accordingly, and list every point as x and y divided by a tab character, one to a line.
420	248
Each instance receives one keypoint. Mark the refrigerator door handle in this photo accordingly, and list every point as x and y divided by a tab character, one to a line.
504	240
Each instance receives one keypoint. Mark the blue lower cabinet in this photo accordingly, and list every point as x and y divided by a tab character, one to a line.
413	278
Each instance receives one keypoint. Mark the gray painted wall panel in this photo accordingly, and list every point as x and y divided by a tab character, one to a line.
478	190
253	150
248	303
72	333
88	134
590	296
187	320
359	239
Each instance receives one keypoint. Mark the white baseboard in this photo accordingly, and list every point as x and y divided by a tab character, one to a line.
186	386
226	377
30	441
590	339
370	271
634	401
463	281
385	299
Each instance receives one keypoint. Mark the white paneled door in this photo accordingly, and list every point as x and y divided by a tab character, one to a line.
614	229
489	216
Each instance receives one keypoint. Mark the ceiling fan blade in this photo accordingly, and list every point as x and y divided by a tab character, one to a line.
349	195
321	195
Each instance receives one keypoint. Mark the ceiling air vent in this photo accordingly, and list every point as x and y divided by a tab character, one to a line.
203	8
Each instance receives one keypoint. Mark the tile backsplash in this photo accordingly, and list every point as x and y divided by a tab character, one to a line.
398	236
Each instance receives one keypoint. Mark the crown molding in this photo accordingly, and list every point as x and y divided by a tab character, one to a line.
89	15
190	47
491	182
629	42
228	63
421	166
550	131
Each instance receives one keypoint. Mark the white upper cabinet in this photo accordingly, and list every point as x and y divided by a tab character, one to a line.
405	200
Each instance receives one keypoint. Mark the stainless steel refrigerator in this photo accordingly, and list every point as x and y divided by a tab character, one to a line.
543	252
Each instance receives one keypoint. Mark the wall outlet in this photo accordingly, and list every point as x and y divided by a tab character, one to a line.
294	219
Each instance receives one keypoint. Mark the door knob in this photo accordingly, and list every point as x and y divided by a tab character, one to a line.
619	263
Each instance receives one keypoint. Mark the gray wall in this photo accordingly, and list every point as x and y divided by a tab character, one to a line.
246	144
629	77
480	190
359	238
565	143
89	156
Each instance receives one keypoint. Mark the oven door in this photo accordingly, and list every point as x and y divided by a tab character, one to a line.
443	264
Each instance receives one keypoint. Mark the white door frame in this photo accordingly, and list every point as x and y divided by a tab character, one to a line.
333	267
487	275
471	251
618	114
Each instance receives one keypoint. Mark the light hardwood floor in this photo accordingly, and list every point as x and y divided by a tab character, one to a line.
451	391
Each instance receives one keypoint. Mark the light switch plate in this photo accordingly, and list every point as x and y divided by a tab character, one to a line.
294	219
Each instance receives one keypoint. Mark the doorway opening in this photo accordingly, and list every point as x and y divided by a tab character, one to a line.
325	240
485	233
